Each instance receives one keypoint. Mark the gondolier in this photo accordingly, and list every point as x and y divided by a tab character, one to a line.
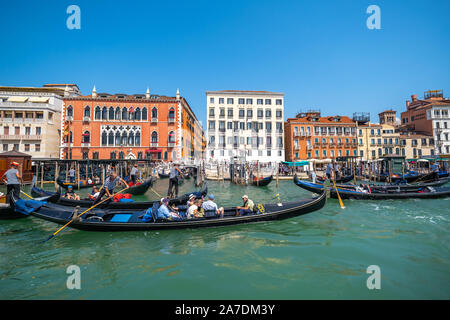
173	181
133	173
109	185
72	175
13	181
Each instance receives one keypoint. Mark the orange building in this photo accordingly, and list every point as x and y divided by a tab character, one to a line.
139	126
310	136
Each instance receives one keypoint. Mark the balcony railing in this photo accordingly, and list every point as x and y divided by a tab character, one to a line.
86	119
172	144
69	118
21	137
153	120
85	144
153	144
171	120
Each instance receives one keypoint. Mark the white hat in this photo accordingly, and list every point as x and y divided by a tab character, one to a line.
245	196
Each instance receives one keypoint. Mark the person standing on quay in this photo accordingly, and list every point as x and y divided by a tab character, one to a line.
13	181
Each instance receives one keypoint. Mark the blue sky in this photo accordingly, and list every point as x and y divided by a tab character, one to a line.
319	53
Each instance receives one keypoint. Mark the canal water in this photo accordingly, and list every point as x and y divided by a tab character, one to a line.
321	255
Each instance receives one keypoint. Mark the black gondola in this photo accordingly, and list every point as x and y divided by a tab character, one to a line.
130	220
261	182
343	179
368	194
7	210
83	184
140	188
116	205
163	175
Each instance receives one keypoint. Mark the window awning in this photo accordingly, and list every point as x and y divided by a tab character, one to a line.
17	99
153	150
39	99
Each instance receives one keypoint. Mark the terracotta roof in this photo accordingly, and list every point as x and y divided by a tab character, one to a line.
323	120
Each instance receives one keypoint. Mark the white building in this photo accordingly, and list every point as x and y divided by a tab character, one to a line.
245	125
30	119
439	114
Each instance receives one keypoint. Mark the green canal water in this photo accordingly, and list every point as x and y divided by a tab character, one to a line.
322	255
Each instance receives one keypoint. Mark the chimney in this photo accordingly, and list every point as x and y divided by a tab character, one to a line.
407	104
414	97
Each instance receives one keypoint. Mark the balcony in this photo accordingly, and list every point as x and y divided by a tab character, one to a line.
85	144
171	120
21	137
438	130
309	147
153	144
172	144
69	118
86	119
296	147
66	145
154	120
296	134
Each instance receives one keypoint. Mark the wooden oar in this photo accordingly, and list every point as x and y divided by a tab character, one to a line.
64	226
27	195
337	192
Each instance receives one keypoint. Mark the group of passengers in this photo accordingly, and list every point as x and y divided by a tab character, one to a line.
198	208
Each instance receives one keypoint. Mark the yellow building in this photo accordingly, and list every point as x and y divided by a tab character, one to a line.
383	139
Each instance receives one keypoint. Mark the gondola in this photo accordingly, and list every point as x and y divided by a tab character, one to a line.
131	220
82	184
163	175
261	182
118	205
343	179
368	194
7	211
140	188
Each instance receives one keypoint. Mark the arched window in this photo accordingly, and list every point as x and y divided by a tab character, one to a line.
137	114
131	139
67	137
140	155
154	113
124	138
111	138
97	113
172	114
121	155
124	113
111	113
113	155
104	138
87	112
166	155
171	137
104	113
131	114
117	141
144	113
70	111
86	137
137	139
118	113
154	137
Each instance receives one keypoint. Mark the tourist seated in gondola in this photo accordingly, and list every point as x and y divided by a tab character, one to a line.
94	194
247	208
211	208
70	194
165	213
195	210
89	180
